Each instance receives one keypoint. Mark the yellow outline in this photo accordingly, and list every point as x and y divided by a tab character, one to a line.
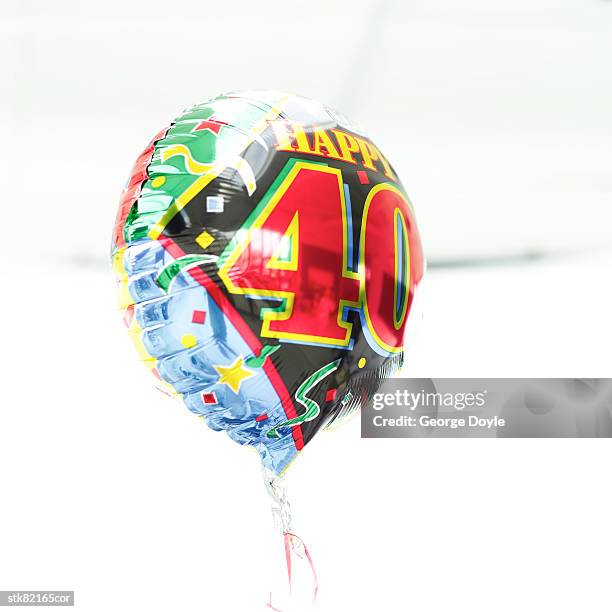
362	244
279	260
286	310
124	297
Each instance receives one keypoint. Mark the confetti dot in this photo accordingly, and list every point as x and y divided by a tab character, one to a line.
330	396
262	417
214	204
128	315
189	341
361	362
199	316
158	181
363	177
208	397
205	239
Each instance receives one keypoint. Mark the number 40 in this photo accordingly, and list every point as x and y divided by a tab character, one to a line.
296	248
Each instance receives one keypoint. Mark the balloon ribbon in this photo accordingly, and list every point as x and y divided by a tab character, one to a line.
294	545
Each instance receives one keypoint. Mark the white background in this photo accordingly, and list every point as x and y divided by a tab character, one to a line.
497	117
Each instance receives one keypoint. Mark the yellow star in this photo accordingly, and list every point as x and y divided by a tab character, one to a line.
233	375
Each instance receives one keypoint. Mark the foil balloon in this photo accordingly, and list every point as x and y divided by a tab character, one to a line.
268	262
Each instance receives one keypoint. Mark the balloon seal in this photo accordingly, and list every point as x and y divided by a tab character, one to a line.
281	509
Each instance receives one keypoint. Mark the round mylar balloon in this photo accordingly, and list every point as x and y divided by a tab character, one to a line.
267	260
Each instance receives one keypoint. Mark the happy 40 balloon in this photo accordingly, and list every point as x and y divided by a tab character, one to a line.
267	260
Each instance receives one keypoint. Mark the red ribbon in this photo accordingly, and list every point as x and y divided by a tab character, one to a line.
295	547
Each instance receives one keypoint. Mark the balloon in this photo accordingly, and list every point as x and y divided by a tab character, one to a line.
267	261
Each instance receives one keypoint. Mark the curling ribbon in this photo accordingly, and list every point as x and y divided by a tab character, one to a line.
295	549
294	546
